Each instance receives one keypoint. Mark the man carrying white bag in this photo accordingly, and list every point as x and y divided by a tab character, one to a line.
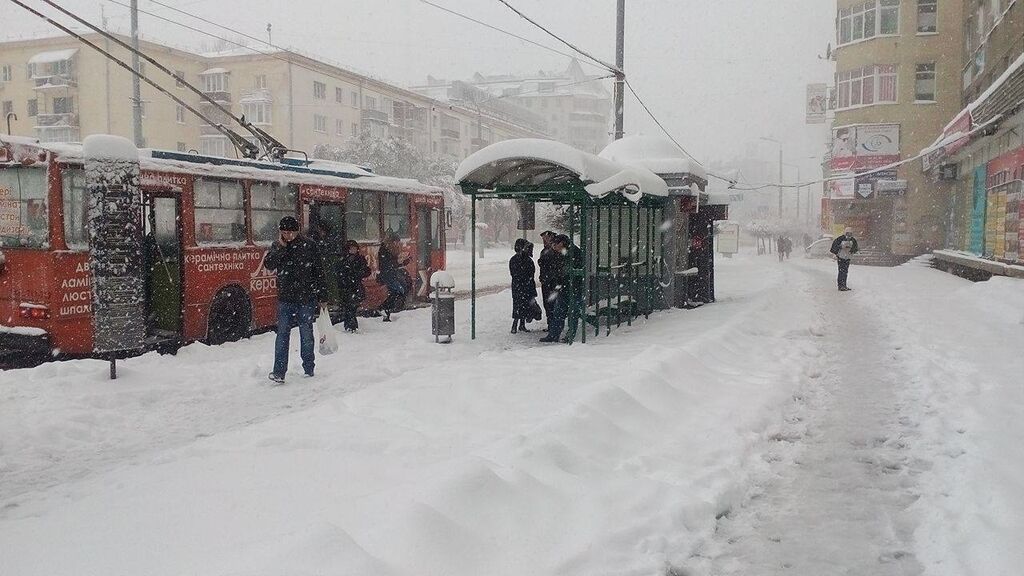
325	334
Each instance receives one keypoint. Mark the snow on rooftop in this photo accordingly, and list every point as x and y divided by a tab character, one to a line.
587	167
657	154
53	56
109	147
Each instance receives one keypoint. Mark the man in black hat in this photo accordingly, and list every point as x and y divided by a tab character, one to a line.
300	287
546	262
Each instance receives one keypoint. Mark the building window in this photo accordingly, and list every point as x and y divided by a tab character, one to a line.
8	107
257	112
867	20
339	127
924	83
370	103
214	147
320	123
355	99
6	74
179	76
179	114
927	17
182	147
259	82
339	95
355	130
217	82
319	90
63	105
875	84
270	203
33	108
220	213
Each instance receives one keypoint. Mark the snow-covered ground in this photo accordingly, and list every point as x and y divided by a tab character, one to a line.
743	437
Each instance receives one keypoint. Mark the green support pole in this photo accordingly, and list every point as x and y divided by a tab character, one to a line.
597	270
618	269
584	297
472	270
629	265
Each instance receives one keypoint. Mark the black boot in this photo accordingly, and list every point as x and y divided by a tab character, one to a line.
522	326
514	324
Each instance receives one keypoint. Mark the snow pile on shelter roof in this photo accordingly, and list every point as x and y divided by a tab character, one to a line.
535	162
53	56
110	147
655	153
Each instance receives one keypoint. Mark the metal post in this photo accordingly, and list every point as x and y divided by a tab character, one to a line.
136	88
620	62
798	193
583	298
9	116
780	181
472	269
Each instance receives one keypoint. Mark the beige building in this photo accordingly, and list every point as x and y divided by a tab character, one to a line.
574	107
898	74
61	90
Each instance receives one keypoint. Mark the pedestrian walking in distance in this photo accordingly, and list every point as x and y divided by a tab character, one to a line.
546	262
524	287
350	271
300	287
843	248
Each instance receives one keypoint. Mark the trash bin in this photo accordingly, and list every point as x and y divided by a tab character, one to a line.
443	313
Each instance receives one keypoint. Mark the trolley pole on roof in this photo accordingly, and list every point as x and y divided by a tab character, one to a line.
620	76
140	141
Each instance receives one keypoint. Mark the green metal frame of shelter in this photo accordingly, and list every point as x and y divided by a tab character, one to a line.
616	285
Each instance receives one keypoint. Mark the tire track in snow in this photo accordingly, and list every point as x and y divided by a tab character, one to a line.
836	494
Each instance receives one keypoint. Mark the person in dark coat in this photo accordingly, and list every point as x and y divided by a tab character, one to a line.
392	274
524	287
350	270
546	263
567	288
843	248
780	247
300	287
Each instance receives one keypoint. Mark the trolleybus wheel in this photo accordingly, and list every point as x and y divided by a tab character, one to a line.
230	316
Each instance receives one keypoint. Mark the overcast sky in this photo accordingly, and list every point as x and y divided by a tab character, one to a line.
718	73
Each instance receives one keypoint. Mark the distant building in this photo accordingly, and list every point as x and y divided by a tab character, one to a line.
62	91
574	107
898	77
986	167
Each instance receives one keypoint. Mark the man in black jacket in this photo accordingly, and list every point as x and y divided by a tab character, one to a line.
300	287
546	262
843	248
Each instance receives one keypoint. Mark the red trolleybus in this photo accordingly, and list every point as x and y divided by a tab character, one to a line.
208	223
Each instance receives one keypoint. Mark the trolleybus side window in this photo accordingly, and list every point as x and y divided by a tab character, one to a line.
362	218
270	203
76	207
23	210
220	213
396	214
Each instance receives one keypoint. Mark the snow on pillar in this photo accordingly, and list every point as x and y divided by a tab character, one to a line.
115	243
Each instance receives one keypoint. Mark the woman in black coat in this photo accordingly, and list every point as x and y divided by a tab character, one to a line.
524	288
350	270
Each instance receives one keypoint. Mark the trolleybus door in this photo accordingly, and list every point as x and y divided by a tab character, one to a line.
162	253
326	225
428	243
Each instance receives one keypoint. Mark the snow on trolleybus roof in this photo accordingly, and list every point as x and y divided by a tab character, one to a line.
291	171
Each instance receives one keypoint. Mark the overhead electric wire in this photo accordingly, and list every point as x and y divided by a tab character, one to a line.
580	51
234	137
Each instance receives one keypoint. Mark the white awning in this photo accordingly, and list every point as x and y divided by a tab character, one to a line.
53	56
214	71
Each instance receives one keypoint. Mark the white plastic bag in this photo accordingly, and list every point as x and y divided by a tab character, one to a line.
325	334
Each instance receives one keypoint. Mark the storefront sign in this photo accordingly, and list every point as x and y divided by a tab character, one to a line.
843	188
323	193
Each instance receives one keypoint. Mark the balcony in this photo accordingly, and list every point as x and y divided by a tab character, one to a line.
450	134
256	95
52	134
56	121
375	115
54	82
219	96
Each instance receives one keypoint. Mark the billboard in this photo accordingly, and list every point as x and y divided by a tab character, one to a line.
842	188
865	147
817	103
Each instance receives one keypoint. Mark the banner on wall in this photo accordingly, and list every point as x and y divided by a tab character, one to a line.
842	189
865	147
817	102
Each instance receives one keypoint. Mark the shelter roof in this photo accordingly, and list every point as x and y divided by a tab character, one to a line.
658	154
534	163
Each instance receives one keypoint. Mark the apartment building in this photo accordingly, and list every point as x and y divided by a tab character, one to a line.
574	107
898	78
982	146
60	91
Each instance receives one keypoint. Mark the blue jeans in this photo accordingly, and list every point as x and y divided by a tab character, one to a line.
556	321
291	314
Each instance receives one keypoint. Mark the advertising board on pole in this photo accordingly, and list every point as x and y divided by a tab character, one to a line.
728	238
817	103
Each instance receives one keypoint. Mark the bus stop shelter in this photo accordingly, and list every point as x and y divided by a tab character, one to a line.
616	216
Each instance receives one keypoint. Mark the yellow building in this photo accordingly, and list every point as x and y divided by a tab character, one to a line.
898	75
61	91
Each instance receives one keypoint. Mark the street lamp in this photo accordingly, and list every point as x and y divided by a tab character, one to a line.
766	139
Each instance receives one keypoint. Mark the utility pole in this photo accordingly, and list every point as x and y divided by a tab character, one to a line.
140	141
780	181
620	62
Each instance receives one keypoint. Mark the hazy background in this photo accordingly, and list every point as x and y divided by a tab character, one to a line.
718	73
